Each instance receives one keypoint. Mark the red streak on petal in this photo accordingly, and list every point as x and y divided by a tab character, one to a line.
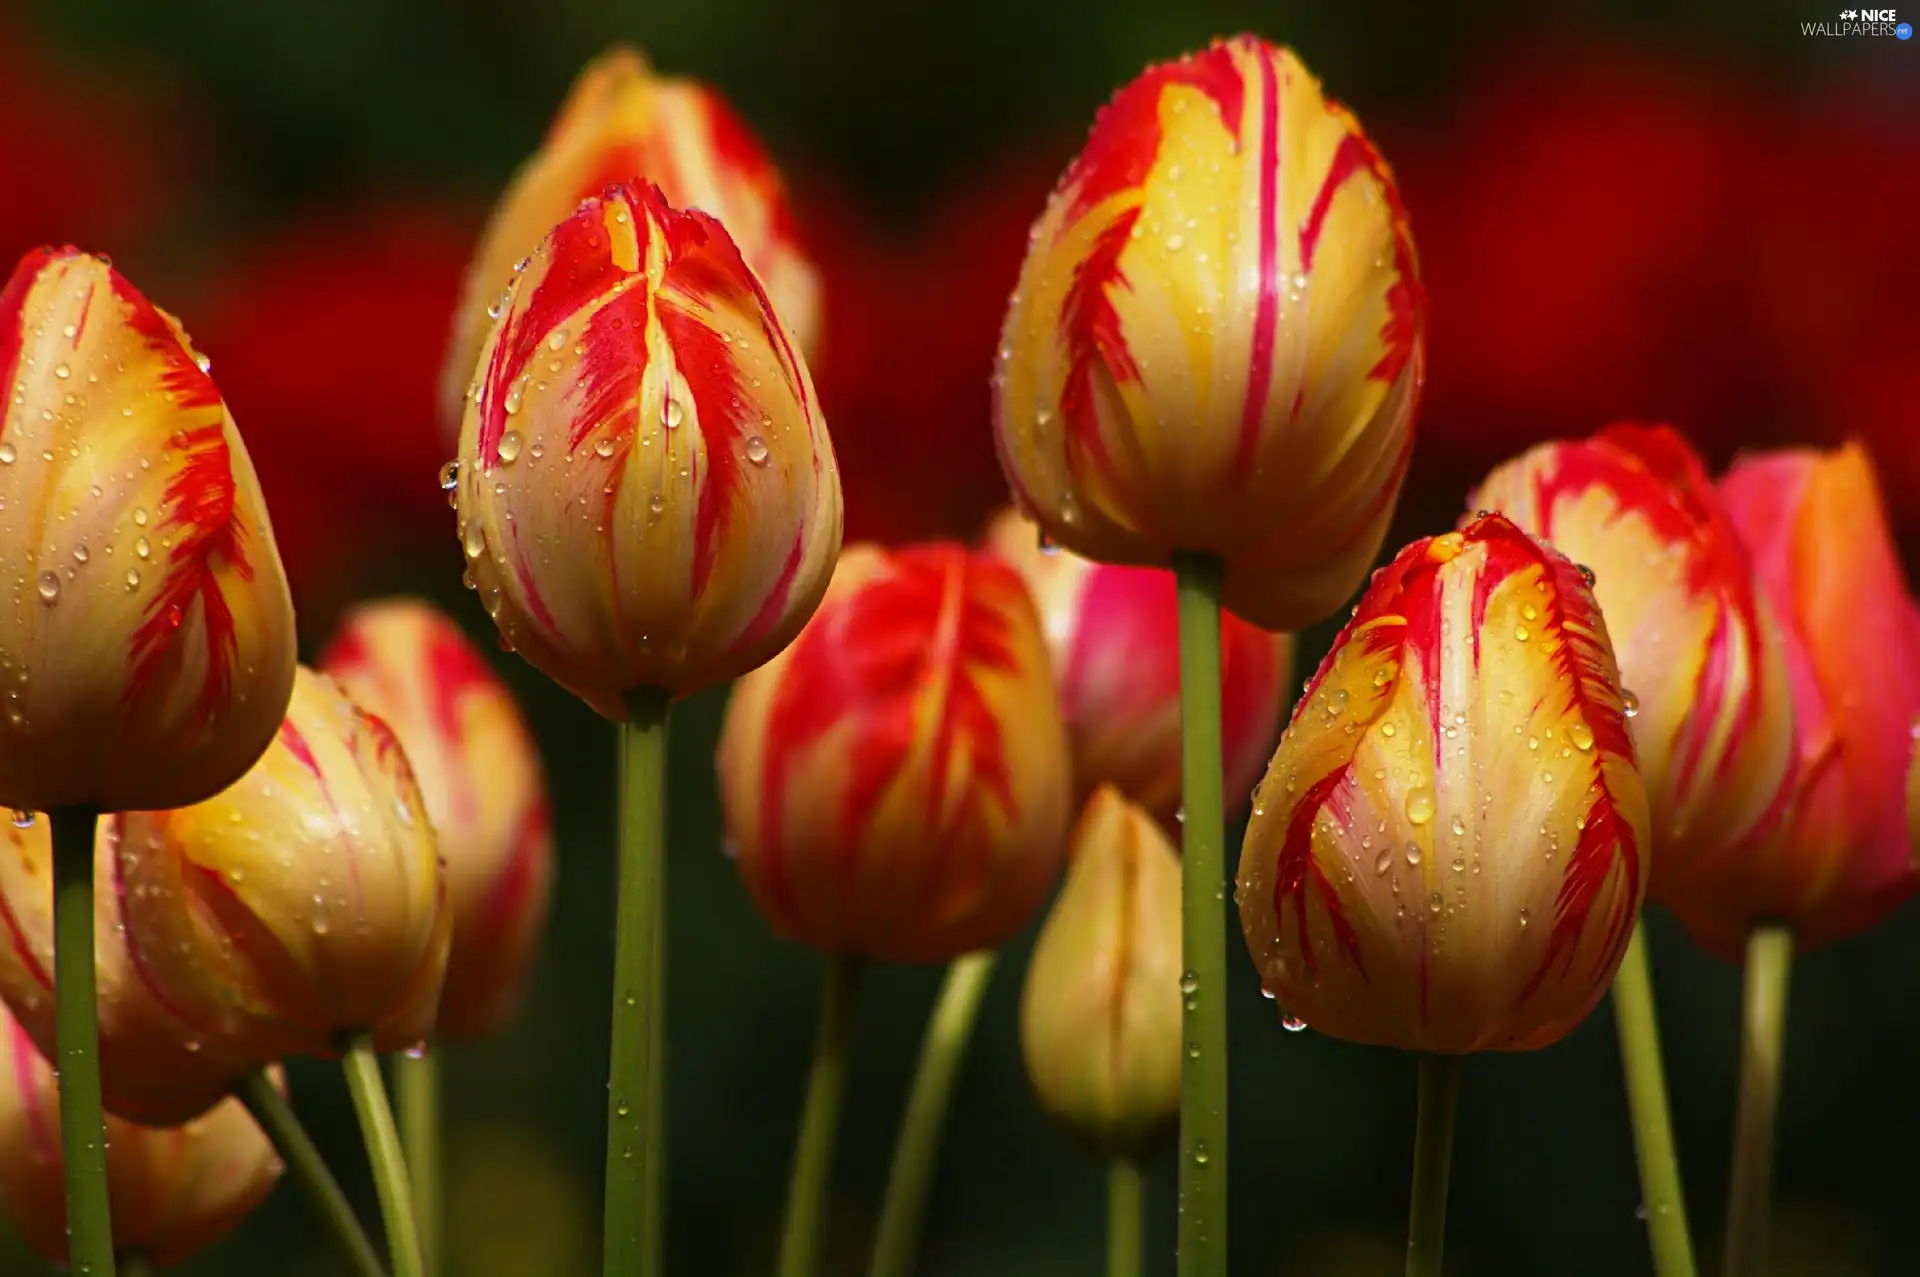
1349	158
182	376
613	366
1266	317
13	321
1125	141
40	1120
22	948
776	601
1090	328
1297	865
453	670
529	587
136	952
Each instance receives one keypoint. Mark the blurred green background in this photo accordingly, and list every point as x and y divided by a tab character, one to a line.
287	111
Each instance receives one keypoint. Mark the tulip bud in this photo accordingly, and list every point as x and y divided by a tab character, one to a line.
896	783
1697	646
1844	856
303	902
1114	636
1218	337
479	776
174	1190
622	123
154	1069
147	644
1100	1016
1449	850
647	493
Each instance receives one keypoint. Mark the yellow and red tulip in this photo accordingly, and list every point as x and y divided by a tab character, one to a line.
147	645
896	783
479	775
1817	530
1449	850
1100	1012
1697	645
1218	337
646	489
305	901
621	123
1114	639
174	1190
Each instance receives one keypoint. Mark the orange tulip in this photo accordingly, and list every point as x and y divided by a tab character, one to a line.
1697	646
303	902
621	123
1114	638
646	489
896	782
1100	1013
154	1069
147	647
1449	850
174	1190
1218	337
480	778
1844	857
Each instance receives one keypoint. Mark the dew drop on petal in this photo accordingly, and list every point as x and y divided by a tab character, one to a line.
1581	735
757	450
449	477
1419	805
1629	703
8	454
509	447
1292	1023
49	588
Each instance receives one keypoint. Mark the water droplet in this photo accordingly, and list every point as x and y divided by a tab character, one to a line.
1581	735
515	393
8	454
1193	1050
1523	917
1383	861
1459	827
23	819
603	447
509	447
671	413
203	363
140	516
1586	575
450	475
1629	703
1388	730
1520	634
62	371
556	339
49	588
1436	902
1189	982
1292	1023
621	1109
658	504
1199	1154
757	450
1176	242
80	553
1419	805
143	548
1413	853
133	579
473	539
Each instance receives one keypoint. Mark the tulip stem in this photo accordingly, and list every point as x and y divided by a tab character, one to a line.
416	1095
631	1239
390	1181
309	1170
1432	1162
820	1121
1203	923
83	1125
910	1180
1763	1035
1126	1218
1640	1060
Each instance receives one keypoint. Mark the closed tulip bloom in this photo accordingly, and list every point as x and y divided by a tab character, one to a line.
480	778
174	1190
896	783
1114	637
1844	858
1100	1014
1697	645
621	123
1449	850
154	1069
147	642
304	902
647	493
1218	337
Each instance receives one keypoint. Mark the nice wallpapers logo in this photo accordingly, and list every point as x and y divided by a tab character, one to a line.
1881	22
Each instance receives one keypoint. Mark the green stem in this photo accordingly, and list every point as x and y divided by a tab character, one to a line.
310	1171
1203	920
135	1264
1126	1218
416	1094
1640	1061
820	1122
83	1125
629	1245
656	1198
1432	1161
390	1182
911	1178
1763	1035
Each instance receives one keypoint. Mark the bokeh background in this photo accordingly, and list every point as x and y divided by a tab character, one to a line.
1620	211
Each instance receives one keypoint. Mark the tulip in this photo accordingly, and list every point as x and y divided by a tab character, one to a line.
1218	337
896	783
147	648
620	123
175	1190
303	903
1100	1015
1115	646
479	776
646	490
1448	851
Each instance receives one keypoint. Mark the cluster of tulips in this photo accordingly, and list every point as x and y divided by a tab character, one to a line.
1618	678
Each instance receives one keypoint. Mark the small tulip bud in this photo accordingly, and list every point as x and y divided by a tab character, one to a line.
304	902
480	778
174	1190
896	783
1100	1016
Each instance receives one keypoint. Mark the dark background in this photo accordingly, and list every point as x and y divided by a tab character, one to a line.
1706	217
